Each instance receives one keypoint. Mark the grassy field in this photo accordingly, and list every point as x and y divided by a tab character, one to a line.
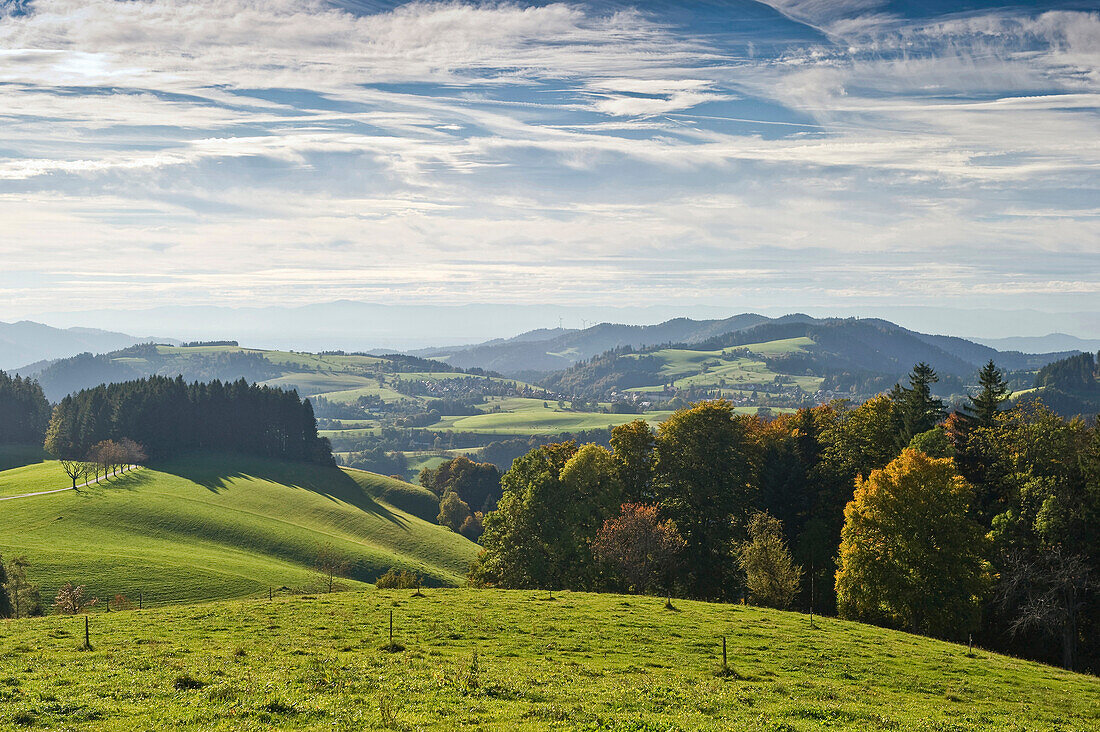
223	526
735	374
520	416
504	660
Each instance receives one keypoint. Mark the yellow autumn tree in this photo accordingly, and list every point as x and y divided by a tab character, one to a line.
910	554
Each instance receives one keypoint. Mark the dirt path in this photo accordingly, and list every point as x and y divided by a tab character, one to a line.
62	490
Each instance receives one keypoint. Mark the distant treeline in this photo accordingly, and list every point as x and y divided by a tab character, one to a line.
169	416
1077	373
24	410
86	370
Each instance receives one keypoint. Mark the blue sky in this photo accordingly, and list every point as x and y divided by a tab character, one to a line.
789	153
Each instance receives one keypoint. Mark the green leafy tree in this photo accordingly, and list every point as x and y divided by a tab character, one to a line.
453	511
772	578
704	478
522	535
633	447
910	555
23	594
861	439
6	609
933	443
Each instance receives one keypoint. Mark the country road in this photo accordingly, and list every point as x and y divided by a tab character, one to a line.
70	488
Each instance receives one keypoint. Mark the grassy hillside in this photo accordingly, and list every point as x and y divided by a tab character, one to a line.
220	526
498	660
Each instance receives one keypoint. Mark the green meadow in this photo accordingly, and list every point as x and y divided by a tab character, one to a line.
520	416
505	660
217	526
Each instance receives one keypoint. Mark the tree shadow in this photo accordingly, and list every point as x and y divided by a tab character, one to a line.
20	456
216	473
128	481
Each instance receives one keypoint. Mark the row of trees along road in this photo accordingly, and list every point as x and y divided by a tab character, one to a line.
106	458
984	521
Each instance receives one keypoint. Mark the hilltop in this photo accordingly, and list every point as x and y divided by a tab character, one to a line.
210	526
503	660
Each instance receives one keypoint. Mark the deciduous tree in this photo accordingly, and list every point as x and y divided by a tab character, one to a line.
704	476
770	575
640	547
910	555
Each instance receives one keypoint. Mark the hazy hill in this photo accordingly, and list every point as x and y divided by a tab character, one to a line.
869	345
1070	387
1041	344
26	342
528	353
309	373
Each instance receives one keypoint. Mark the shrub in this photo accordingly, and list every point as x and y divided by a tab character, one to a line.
395	580
70	600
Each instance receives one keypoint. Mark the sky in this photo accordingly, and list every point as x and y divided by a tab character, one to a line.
787	154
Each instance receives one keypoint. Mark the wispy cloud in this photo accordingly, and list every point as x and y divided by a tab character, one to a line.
243	150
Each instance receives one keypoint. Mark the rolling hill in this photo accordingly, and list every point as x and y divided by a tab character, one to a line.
217	526
870	345
506	660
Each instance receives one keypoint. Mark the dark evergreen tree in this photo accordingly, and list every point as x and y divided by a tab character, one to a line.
24	411
993	393
918	410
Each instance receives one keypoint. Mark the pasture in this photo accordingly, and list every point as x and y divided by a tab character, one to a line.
217	526
505	660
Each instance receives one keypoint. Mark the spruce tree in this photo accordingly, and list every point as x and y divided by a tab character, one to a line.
994	392
918	410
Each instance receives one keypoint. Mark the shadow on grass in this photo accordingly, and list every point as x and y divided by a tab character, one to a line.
216	472
19	456
128	481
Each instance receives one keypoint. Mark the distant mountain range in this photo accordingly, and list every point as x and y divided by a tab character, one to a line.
1041	344
859	344
26	342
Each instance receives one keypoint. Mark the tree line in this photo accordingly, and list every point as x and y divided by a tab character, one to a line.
985	521
169	416
24	410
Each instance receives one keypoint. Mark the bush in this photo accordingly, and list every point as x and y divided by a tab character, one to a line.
395	580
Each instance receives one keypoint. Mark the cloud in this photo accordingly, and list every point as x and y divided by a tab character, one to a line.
237	150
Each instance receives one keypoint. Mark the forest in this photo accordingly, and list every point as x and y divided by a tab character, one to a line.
169	416
980	524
